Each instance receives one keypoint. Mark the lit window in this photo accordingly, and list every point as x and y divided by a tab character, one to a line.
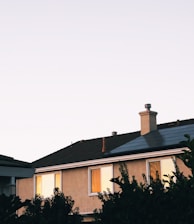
46	183
160	167
99	179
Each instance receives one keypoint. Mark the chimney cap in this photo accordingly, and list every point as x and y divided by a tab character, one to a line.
114	133
148	106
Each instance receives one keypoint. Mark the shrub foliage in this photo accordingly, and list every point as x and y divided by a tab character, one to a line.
155	202
57	209
8	207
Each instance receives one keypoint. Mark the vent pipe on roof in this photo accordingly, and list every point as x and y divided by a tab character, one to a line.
114	133
103	144
148	120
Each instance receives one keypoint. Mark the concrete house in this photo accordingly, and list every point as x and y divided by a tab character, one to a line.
10	171
84	168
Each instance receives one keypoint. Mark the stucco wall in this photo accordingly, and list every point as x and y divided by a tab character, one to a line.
138	167
183	168
135	168
24	188
75	184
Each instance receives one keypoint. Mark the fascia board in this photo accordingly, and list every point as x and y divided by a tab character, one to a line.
18	172
111	160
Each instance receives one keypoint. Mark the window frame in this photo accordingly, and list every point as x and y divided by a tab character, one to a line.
46	173
90	193
155	160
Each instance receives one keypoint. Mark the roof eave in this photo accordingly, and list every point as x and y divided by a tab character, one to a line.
112	159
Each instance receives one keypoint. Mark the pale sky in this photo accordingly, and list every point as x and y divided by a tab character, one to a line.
80	69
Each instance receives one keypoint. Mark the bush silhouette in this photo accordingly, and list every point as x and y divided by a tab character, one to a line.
8	207
154	202
57	209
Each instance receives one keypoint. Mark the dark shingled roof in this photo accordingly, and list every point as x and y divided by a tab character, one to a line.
92	149
11	162
159	139
84	150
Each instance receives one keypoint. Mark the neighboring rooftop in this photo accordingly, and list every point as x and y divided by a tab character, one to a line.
10	167
11	162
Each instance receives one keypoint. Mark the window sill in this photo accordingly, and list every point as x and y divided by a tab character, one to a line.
93	194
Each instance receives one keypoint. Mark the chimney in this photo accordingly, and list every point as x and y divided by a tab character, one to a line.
103	144
148	120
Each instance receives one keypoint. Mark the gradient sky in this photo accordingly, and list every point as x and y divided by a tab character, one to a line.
80	69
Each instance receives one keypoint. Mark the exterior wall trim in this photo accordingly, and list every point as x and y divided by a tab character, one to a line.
123	158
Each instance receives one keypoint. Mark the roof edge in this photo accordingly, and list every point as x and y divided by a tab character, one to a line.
111	160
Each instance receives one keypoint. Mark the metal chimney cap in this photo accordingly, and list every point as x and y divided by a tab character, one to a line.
148	106
114	133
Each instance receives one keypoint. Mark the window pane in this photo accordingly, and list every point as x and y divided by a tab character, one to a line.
38	185
106	175
167	167
58	180
48	185
155	169
95	178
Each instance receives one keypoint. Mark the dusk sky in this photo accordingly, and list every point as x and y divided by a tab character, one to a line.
73	70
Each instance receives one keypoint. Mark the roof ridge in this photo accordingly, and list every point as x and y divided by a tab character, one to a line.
176	123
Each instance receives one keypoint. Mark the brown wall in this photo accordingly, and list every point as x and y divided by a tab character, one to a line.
24	188
183	168
135	168
75	183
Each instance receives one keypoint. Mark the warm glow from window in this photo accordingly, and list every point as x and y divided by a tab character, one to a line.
100	179
163	167
95	178
58	180
155	169
167	167
106	175
38	185
46	183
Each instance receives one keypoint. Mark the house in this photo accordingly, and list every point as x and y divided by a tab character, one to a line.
10	171
84	168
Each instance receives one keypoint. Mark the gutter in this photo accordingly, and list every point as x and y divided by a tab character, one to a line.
114	159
